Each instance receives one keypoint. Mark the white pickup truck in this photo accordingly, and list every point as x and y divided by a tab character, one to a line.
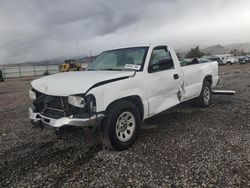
119	90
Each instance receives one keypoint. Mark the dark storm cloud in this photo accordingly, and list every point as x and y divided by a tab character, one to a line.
40	29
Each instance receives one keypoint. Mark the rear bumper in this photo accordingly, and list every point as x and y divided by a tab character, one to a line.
39	119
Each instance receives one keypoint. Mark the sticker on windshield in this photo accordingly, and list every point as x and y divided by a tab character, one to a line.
132	66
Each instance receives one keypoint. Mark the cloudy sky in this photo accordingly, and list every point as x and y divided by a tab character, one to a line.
43	29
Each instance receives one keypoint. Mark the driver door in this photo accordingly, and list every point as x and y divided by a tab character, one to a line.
162	82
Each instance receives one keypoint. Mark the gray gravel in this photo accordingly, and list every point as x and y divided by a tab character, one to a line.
184	147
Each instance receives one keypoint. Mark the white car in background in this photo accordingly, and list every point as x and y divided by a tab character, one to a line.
230	60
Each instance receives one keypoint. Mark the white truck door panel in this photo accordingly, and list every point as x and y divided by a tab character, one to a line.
162	81
162	91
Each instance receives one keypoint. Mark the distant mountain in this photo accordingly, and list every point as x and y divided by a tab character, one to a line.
239	46
216	49
57	61
45	62
212	50
187	48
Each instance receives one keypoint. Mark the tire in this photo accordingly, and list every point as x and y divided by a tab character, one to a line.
120	126
204	99
229	63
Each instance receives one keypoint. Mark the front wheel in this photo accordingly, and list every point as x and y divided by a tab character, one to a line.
120	126
204	100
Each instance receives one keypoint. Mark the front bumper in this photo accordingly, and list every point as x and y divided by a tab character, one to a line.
39	119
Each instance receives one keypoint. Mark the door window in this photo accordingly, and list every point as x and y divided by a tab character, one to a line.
160	60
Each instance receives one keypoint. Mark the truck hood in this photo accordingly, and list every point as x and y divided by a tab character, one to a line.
70	83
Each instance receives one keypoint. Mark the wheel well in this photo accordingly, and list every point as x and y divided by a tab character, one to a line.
208	79
136	100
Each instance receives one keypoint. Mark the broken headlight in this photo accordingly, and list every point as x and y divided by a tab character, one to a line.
76	101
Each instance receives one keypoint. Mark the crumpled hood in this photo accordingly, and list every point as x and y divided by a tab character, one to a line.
70	83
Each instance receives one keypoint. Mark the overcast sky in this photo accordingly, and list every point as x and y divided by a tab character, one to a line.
44	29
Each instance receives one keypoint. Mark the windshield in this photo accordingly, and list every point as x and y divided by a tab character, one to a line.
120	59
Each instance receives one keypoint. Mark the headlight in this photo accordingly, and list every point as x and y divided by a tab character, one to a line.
76	101
32	95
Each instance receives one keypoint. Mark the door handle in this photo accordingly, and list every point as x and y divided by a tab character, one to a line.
176	76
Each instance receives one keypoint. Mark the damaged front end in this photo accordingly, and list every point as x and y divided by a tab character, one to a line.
59	112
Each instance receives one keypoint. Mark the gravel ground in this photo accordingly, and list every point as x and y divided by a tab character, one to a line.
184	147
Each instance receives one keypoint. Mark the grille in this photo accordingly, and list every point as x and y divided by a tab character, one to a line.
55	107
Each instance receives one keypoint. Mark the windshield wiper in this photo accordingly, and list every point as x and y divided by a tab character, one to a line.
110	69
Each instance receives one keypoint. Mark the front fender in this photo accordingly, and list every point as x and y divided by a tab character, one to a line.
111	92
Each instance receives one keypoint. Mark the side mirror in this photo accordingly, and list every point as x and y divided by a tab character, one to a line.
153	68
163	64
166	64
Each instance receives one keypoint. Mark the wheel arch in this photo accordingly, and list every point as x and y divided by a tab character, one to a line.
135	99
209	79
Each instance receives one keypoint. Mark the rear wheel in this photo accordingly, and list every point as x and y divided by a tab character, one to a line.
121	125
204	100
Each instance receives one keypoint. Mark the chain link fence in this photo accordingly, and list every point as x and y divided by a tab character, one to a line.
18	71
